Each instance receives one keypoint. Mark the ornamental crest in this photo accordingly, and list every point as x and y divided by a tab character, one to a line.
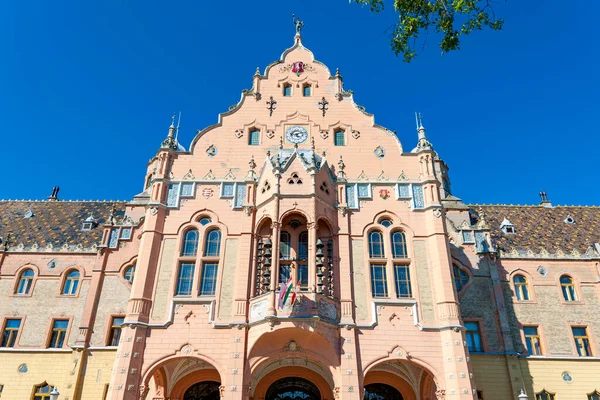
207	193
298	67
384	194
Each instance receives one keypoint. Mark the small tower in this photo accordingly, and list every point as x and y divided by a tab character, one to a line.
170	142
422	144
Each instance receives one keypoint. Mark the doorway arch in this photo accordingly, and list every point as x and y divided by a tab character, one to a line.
381	391
292	388
207	390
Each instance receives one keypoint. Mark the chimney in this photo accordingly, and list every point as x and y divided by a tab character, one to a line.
545	202
54	195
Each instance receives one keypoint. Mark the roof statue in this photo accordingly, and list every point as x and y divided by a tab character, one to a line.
299	24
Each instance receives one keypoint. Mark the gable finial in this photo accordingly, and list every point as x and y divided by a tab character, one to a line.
170	142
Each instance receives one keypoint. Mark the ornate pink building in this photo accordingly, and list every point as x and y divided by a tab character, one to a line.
296	183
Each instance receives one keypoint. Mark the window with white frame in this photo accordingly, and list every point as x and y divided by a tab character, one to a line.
411	191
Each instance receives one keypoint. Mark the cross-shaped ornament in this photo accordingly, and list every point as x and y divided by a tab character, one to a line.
324	105
271	105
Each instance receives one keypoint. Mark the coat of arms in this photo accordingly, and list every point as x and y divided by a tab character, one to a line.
384	194
298	67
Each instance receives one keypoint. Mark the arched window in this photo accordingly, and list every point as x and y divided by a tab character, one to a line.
460	278
521	287
285	256
205	221
376	249
190	243
595	395
544	395
129	273
568	288
398	245
71	283
25	282
386	222
302	258
381	391
42	392
213	243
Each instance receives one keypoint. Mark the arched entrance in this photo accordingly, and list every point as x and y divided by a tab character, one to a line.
292	388
381	391
208	390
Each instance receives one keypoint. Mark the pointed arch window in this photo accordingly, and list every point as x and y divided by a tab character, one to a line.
25	281
285	256
129	274
461	278
398	244
213	243
190	243
568	288
71	283
302	257
544	395
376	247
521	288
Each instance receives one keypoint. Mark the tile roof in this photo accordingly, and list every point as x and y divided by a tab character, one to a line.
54	222
540	227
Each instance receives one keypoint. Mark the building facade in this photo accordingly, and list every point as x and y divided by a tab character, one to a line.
400	291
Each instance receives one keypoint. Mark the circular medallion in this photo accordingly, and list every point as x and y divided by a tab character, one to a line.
296	134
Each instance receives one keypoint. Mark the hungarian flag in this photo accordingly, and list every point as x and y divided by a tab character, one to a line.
285	292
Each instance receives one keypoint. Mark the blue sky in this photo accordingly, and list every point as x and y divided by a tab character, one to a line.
88	89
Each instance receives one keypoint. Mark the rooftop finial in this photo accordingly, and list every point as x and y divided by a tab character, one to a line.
170	142
299	24
423	143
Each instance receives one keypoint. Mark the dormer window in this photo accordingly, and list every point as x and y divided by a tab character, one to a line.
306	90
569	220
287	90
507	227
88	224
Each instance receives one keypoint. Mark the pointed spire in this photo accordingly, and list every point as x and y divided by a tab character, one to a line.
422	144
170	142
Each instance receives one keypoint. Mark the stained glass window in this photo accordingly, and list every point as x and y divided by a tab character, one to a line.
227	189
418	200
480	242
187	190
173	195
364	191
351	196
113	238
125	233
404	191
468	237
240	197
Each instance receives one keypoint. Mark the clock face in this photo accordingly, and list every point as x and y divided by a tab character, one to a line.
296	134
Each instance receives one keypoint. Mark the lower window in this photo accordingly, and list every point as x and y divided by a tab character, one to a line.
378	280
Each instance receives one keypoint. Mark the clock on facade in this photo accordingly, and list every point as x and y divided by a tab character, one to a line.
296	134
